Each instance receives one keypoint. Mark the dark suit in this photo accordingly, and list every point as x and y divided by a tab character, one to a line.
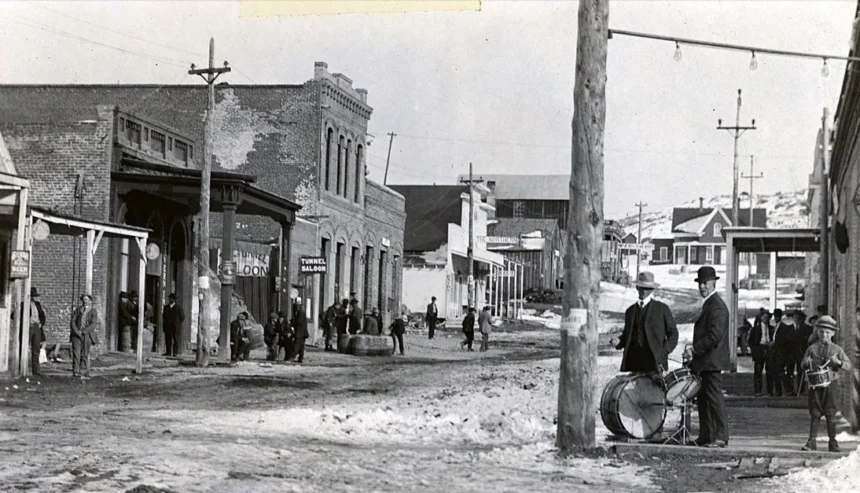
760	359
398	328
84	333
710	358
469	330
431	316
650	334
781	355
173	318
300	326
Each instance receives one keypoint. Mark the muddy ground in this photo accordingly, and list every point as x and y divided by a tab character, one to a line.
437	419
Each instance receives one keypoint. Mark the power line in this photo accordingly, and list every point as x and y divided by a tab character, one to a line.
121	33
50	29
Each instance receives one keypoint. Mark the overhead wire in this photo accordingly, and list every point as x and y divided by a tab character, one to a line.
121	33
50	29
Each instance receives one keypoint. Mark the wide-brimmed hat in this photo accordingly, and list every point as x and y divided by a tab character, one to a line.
706	273
34	293
826	322
646	280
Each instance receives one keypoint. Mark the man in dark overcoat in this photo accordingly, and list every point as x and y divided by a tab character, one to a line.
173	317
431	317
300	328
710	357
650	333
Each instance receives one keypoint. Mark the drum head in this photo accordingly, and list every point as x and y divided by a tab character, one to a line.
640	407
686	386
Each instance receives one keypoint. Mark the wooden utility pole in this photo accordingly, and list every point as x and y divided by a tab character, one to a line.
209	75
752	178
470	253
640	205
738	130
824	204
391	136
576	408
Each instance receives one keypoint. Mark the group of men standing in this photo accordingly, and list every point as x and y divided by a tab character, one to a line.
172	319
777	343
650	335
279	334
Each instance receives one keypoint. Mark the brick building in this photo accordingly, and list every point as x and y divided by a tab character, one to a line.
304	142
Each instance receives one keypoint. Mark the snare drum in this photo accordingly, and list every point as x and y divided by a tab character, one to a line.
632	405
819	378
681	385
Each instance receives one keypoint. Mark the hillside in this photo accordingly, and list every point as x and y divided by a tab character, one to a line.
784	210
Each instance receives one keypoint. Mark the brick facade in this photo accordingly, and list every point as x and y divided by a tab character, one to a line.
52	155
277	133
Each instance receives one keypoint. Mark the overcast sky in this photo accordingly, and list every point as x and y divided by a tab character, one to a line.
493	87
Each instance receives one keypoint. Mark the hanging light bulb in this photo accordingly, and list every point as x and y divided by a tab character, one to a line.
677	52
753	62
825	71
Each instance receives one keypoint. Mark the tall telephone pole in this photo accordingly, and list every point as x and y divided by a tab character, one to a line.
209	75
391	136
752	177
640	205
737	130
470	253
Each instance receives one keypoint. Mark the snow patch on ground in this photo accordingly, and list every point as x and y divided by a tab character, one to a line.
842	475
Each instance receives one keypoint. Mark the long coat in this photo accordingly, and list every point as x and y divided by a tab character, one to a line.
85	326
300	324
660	332
485	322
711	337
173	318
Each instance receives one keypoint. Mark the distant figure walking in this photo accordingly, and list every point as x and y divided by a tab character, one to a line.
469	329
300	329
485	321
398	328
85	324
431	316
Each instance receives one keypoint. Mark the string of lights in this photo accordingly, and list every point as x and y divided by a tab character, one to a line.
825	70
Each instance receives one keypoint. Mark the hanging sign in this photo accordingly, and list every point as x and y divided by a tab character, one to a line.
312	265
20	264
152	251
41	230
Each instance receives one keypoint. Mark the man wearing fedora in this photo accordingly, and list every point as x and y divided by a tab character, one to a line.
709	357
37	330
650	333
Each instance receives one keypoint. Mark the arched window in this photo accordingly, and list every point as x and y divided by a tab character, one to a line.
358	176
718	229
339	164
327	159
346	152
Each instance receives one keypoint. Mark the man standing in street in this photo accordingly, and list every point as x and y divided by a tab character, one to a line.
330	324
300	328
431	316
710	357
37	330
469	329
485	321
650	333
85	325
173	318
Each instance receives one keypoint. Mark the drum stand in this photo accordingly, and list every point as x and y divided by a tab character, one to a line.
682	435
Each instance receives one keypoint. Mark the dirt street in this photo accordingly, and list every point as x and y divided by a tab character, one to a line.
438	419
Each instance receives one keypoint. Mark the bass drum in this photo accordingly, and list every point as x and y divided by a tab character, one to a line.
633	406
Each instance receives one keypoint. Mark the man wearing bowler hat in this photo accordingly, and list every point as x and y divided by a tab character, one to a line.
650	333
710	357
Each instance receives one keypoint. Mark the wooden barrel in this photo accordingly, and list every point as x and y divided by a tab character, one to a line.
368	345
343	343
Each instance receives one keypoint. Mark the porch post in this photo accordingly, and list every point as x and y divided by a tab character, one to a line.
91	240
732	298
522	290
228	270
772	281
25	316
315	306
141	288
287	284
14	332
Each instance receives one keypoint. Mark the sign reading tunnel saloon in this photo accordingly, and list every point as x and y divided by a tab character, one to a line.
312	265
248	264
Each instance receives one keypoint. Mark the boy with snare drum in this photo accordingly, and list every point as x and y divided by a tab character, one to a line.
822	362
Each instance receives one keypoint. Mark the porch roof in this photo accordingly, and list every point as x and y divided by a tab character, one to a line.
765	240
163	179
64	224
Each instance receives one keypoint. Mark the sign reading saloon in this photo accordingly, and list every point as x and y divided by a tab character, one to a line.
249	264
312	265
